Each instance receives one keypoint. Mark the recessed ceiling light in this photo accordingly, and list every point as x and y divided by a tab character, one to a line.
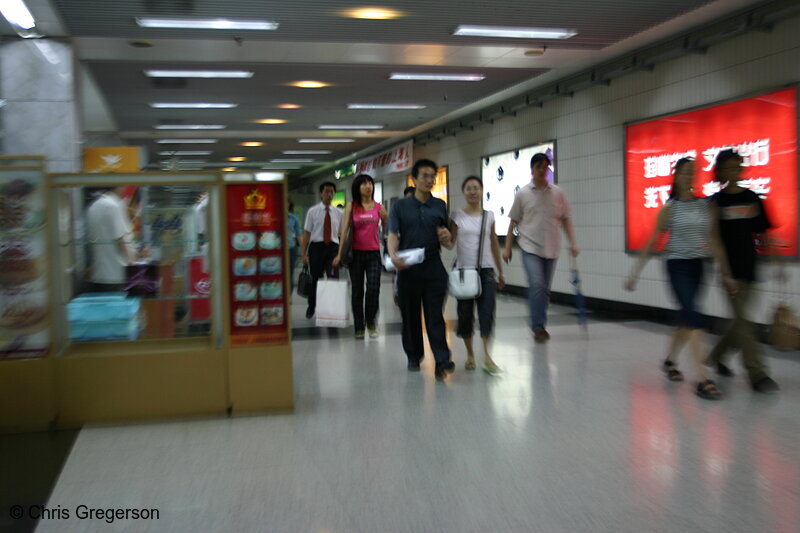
186	141
410	76
185	152
270	121
309	84
237	159
192	105
373	13
306	152
229	169
385	106
205	24
288	106
198	73
350	127
189	127
252	144
325	140
291	160
514	33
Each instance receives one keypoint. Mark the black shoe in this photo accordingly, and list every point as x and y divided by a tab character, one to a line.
541	335
724	371
766	385
309	312
443	369
413	365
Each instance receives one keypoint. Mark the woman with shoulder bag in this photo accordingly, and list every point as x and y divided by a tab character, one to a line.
477	247
364	215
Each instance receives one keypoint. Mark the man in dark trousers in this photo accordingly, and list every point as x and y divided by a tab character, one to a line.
741	218
421	221
321	241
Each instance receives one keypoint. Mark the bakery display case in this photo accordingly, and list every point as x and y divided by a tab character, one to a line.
146	296
137	307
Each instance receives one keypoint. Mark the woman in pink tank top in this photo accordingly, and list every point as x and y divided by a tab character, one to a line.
363	216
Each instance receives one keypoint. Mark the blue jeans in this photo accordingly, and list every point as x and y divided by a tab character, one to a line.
540	275
686	280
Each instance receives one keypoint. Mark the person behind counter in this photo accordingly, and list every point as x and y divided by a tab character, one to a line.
110	233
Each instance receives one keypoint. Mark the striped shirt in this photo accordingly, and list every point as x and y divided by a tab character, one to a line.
689	228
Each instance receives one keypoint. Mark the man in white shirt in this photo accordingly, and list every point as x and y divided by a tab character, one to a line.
110	232
320	243
540	210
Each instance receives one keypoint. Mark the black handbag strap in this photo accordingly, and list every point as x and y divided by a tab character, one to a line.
480	245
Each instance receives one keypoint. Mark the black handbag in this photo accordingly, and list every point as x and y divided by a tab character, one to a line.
304	282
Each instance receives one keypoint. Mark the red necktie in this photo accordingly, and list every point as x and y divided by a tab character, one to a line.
326	227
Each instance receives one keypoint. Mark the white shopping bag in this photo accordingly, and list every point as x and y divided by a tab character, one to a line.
333	303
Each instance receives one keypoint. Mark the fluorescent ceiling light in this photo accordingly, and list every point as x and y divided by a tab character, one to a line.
198	73
325	140
18	15
410	76
192	105
185	152
186	141
288	106
385	106
350	127
514	33
270	121
306	152
189	127
291	160
237	159
205	24
251	144
269	176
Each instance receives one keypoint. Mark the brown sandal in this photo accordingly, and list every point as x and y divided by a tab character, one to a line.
708	390
671	369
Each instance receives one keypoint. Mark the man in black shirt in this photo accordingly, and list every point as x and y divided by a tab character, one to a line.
741	217
420	221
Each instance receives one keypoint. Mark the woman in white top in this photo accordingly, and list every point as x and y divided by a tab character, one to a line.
465	227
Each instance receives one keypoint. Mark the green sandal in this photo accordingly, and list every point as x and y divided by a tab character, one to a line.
492	369
470	364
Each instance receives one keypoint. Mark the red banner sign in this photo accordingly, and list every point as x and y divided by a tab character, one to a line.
763	130
256	244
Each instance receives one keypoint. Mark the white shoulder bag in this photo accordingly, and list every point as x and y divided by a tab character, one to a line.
465	283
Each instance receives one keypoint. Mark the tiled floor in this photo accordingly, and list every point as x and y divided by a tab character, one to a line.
583	434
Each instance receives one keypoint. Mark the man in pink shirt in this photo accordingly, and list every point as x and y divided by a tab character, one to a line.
539	211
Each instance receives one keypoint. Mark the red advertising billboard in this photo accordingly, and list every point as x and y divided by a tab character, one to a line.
256	244
762	129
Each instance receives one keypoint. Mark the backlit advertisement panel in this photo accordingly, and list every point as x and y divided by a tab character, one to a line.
762	129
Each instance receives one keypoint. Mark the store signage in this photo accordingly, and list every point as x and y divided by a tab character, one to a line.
112	159
762	129
257	273
398	159
345	172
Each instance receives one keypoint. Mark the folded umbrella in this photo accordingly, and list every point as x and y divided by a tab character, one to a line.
580	303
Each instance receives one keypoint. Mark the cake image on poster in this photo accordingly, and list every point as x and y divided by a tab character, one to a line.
270	265
20	261
23	307
244	291
271	316
271	290
246	316
244	240
270	240
15	209
244	266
